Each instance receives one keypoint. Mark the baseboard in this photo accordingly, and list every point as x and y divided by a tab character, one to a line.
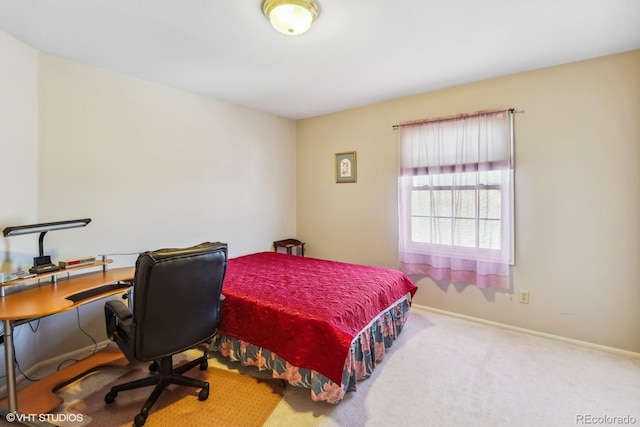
586	344
47	364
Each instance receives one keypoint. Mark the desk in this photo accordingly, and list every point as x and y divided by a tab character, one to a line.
47	298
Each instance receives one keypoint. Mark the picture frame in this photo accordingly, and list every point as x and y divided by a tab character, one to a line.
346	167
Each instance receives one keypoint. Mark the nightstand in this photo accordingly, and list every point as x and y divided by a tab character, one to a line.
289	245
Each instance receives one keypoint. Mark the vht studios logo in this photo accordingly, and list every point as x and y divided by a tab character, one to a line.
43	418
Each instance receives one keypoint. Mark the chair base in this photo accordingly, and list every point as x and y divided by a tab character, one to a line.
167	375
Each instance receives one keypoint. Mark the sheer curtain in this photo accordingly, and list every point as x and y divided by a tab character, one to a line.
456	198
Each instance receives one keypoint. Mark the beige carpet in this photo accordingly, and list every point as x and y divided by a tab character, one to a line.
234	400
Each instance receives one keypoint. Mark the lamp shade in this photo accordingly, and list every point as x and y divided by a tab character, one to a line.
291	17
44	227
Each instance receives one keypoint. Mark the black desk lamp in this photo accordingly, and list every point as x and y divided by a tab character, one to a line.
42	228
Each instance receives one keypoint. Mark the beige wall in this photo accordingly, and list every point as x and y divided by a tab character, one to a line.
156	166
577	196
18	142
19	170
153	166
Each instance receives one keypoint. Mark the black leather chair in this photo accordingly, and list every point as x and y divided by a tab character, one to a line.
175	307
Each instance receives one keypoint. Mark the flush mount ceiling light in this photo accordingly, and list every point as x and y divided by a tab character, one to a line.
291	17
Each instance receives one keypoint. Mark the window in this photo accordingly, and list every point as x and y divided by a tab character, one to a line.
456	199
462	210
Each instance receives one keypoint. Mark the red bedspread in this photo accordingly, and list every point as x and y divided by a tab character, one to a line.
306	310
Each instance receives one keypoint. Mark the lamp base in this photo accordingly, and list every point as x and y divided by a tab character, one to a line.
43	264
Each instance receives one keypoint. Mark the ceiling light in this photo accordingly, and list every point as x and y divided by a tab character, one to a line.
291	17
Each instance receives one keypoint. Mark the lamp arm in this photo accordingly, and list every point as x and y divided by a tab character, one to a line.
41	243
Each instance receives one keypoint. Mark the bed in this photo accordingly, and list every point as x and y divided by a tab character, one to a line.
315	323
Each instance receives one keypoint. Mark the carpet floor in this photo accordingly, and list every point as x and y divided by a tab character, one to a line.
449	372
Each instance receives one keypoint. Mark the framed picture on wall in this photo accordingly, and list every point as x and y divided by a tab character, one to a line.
346	167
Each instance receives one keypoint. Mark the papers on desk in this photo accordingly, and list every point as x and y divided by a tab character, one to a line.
10	277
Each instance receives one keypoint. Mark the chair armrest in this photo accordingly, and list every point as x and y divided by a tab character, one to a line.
121	311
115	314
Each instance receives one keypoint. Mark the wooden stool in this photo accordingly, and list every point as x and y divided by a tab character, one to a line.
289	244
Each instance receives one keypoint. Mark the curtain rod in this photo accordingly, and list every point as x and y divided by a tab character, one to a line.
456	117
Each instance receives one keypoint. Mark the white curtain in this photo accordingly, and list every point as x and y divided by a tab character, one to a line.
455	198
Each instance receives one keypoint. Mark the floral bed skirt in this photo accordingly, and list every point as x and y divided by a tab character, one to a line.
366	351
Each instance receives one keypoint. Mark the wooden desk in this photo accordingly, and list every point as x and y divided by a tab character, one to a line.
47	298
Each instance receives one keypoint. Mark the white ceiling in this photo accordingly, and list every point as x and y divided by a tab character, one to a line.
358	52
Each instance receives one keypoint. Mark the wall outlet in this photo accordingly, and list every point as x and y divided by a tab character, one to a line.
524	297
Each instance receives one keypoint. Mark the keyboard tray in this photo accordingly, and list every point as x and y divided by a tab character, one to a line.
80	296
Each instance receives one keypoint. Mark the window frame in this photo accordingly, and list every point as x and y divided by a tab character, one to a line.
467	252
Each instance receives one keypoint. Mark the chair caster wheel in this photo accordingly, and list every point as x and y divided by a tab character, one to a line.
204	365
153	367
140	420
110	397
204	394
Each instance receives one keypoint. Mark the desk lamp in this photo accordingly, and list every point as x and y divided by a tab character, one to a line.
44	260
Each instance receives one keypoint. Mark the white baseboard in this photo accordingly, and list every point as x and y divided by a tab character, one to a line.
586	344
44	367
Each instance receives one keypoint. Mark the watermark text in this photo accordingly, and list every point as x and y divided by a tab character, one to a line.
605	419
43	418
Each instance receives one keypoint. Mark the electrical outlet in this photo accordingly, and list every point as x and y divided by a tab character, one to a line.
524	297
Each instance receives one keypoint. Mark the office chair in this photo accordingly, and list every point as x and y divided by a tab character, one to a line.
176	307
